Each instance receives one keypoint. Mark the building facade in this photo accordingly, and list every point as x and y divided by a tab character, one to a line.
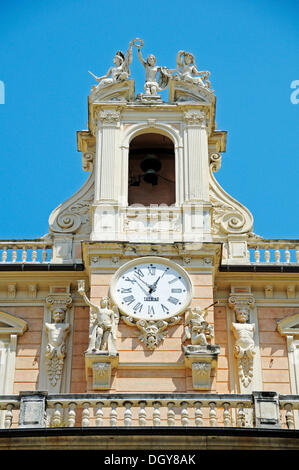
151	312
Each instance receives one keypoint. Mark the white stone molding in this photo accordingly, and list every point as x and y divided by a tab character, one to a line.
118	92
289	328
184	92
10	328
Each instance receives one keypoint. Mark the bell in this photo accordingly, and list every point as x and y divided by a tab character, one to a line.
150	165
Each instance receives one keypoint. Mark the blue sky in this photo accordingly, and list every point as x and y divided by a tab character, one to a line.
47	48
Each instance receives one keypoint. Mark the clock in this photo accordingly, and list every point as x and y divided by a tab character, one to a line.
151	288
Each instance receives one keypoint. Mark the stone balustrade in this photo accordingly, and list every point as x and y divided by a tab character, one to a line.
25	251
274	251
260	410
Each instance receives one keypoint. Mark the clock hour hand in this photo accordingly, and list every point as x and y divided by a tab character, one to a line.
154	286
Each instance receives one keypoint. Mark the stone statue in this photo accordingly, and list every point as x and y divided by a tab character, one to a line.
152	83
119	71
187	70
103	324
197	329
55	350
244	349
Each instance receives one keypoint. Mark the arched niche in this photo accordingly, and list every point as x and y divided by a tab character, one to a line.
151	170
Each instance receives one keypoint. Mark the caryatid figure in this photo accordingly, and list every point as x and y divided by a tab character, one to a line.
244	349
56	350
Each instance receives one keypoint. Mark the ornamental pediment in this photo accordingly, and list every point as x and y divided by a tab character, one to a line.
289	325
9	324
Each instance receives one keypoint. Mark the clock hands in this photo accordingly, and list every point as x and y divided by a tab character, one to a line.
153	287
142	281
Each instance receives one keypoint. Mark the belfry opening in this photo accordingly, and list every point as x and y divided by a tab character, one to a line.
151	170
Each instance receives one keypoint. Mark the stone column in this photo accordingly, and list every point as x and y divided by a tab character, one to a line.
108	197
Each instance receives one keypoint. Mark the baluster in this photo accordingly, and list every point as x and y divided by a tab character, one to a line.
287	255
277	255
14	255
289	416
184	414
99	414
85	415
257	255
297	254
44	255
142	413
198	414
170	414
241	416
57	416
34	254
267	255
113	413
213	414
226	415
128	414
24	254
156	413
8	417
4	255
71	416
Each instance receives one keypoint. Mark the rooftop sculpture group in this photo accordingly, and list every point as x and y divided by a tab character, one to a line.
156	77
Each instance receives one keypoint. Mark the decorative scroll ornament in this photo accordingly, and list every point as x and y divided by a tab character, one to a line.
73	216
228	215
244	348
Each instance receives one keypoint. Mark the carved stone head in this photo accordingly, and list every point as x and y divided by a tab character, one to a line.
151	59
104	303
58	315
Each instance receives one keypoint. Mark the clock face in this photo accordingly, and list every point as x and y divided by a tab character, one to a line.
151	288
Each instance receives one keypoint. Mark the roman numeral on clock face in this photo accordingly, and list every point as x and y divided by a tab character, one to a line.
173	300
126	291
165	309
151	310
138	307
129	299
151	270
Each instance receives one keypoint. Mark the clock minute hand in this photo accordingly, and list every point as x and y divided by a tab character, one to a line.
142	281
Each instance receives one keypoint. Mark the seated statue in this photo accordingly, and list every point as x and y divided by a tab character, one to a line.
187	70
119	71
